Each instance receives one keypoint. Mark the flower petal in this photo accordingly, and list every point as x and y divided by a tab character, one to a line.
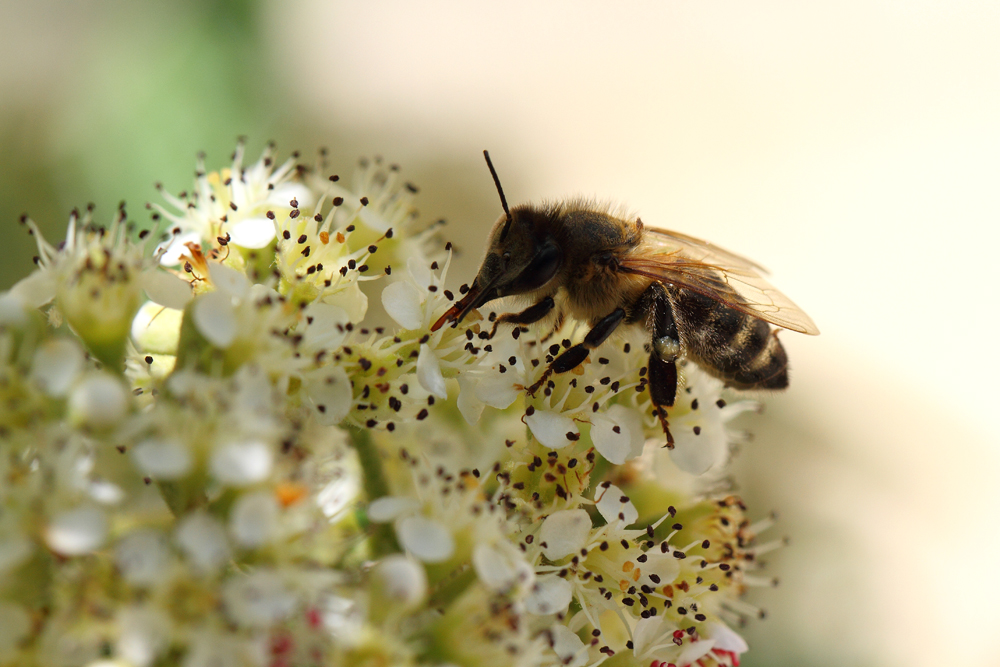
242	463
253	233
427	539
57	364
564	532
429	372
142	557
550	595
77	531
254	520
228	280
552	429
215	318
162	459
403	303
615	505
166	289
388	508
203	540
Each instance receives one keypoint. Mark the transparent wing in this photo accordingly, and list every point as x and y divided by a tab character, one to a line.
701	267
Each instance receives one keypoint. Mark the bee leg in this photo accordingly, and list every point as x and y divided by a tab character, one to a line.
575	355
529	315
662	390
666	348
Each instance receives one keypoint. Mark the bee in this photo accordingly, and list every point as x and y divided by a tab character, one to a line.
696	301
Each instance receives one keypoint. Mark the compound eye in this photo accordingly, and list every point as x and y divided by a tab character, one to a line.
540	270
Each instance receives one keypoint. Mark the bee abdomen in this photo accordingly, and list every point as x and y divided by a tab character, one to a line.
737	348
753	359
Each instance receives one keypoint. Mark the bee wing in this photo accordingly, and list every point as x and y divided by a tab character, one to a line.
730	279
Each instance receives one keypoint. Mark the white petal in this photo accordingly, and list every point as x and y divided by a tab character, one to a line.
203	540
564	532
334	498
142	557
36	290
469	404
429	372
613	508
666	568
254	520
99	401
498	390
401	580
551	428
421	273
403	303
228	280
351	299
427	539
325	329
77	531
143	634
550	595
242	463
15	623
699	453
215	318
501	566
105	492
612	445
176	247
568	646
253	233
282	195
56	366
725	638
258	600
389	508
695	651
162	459
166	289
329	391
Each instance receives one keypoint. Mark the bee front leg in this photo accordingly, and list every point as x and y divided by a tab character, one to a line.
529	315
575	355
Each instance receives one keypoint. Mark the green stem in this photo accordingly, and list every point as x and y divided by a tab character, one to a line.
376	485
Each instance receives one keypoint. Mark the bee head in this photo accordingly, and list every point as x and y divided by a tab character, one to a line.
521	257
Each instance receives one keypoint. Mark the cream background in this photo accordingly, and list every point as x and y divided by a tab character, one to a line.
852	147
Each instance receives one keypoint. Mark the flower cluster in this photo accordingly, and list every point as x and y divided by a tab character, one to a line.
208	457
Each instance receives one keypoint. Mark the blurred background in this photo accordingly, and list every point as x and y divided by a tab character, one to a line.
851	147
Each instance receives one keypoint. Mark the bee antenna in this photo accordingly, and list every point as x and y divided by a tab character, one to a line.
503	200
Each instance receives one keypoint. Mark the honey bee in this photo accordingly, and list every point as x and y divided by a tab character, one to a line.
697	301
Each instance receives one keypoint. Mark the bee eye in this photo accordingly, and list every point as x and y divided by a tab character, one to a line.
540	270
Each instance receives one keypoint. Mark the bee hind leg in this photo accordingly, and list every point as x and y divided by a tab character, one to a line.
575	355
666	348
662	390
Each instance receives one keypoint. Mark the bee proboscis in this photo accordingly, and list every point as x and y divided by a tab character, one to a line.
697	301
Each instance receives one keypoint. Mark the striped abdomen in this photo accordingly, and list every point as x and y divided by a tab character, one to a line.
737	348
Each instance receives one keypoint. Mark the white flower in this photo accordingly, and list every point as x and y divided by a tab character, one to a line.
162	459
203	540
564	532
98	402
254	520
78	531
427	539
258	600
142	557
